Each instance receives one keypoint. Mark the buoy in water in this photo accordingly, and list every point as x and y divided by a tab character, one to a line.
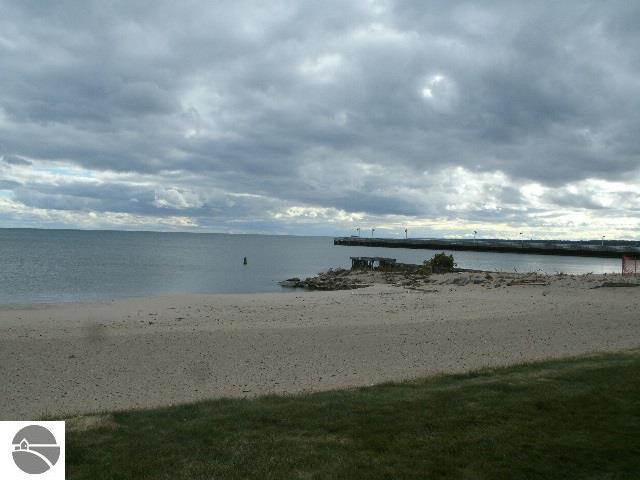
245	261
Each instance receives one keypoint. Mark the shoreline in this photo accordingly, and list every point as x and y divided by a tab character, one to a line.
276	282
75	358
90	301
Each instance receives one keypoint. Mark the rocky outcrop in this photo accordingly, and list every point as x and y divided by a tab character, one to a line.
337	279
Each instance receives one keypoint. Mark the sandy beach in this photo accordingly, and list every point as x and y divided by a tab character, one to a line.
78	358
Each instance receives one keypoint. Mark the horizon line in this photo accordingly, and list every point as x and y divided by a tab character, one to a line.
302	235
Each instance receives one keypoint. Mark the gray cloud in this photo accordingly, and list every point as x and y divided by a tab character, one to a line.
13	160
235	111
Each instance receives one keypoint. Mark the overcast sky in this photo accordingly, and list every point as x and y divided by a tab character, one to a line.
319	117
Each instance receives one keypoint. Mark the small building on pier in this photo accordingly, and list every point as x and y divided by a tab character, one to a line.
372	263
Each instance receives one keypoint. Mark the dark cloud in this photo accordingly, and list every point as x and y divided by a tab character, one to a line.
8	185
574	200
241	110
13	160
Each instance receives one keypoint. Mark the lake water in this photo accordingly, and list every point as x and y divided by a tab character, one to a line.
72	265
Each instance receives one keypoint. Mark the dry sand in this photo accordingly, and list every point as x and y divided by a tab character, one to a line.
86	357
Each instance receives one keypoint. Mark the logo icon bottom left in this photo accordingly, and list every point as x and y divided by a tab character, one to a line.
35	449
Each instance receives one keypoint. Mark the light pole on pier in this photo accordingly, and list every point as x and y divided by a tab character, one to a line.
521	240
358	230
603	240
372	230
475	244
406	234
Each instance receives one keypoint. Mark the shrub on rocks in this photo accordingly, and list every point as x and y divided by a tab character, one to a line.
441	263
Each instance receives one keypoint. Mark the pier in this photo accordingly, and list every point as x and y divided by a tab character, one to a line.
537	247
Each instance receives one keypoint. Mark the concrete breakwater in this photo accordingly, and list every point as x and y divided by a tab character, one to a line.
538	247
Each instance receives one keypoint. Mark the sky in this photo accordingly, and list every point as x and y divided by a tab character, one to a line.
316	118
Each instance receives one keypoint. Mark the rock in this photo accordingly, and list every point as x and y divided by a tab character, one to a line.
332	280
617	284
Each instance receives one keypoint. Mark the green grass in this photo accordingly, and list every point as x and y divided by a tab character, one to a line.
568	419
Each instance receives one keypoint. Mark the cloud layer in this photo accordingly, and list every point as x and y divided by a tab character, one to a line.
318	117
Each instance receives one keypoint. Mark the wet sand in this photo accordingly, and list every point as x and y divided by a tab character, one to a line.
86	357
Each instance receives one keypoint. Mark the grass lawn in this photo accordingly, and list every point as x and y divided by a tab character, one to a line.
567	419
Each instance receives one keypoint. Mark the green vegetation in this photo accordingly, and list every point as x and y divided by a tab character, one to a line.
575	418
440	263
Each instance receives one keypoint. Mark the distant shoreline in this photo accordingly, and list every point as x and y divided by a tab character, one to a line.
178	232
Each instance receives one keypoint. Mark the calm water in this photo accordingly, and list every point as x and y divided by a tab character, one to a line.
71	265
